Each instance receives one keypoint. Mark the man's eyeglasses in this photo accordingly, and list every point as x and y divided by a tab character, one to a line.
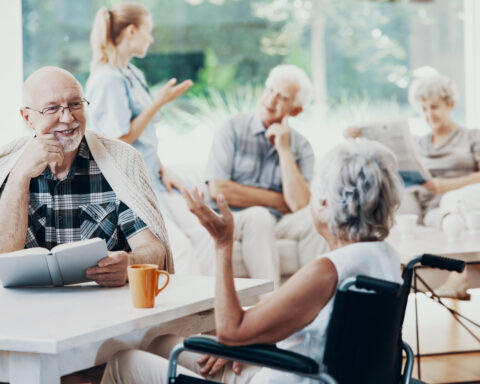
53	109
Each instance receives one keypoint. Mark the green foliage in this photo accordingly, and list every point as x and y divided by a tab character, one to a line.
220	77
367	47
211	108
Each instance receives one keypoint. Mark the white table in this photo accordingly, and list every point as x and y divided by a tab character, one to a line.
432	240
46	333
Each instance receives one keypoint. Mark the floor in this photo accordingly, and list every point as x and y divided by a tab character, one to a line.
440	333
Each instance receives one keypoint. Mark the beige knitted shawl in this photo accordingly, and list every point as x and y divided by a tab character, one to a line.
124	169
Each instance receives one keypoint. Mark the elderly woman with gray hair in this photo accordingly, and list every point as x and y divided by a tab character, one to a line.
451	153
353	202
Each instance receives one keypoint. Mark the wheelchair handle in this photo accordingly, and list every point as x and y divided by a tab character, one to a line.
377	285
370	283
440	262
443	262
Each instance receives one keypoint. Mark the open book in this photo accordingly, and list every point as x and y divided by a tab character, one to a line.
395	134
64	264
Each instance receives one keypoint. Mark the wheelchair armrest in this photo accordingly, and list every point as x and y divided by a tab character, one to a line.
258	354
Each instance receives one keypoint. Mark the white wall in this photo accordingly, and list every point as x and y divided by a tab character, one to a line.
11	70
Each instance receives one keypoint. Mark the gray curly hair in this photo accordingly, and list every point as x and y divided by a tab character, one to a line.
361	188
432	87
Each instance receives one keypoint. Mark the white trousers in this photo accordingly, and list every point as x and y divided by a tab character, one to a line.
255	232
139	367
462	200
192	246
256	229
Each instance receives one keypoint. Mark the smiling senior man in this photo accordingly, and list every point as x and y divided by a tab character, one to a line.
263	168
66	184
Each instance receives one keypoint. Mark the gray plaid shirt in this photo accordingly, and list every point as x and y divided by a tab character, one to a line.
80	206
240	152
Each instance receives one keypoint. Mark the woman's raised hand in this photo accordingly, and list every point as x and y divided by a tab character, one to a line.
220	226
171	91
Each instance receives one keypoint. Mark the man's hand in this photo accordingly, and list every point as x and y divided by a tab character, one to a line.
41	151
171	91
170	180
438	185
212	364
220	226
351	132
111	271
279	135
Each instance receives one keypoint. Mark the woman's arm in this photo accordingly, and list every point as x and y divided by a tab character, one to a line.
286	311
138	124
440	185
167	93
289	309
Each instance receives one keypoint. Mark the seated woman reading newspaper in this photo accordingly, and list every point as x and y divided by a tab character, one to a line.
451	154
353	201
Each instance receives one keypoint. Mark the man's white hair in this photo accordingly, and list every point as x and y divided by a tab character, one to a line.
431	86
289	72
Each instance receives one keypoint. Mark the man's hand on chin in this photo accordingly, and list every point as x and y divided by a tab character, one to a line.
279	134
111	271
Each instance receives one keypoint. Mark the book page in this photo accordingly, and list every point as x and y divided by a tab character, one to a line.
75	244
27	267
395	134
27	251
74	258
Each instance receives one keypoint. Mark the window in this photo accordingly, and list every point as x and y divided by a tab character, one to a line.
360	55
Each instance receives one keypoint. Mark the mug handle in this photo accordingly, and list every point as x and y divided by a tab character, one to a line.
159	272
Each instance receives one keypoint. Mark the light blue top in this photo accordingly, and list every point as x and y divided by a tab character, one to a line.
117	96
375	259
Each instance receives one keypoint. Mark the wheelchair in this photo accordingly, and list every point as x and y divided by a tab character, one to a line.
364	336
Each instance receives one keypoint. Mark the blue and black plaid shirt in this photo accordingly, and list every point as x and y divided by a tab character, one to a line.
80	206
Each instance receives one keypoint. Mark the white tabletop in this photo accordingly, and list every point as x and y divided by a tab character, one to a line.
434	241
52	320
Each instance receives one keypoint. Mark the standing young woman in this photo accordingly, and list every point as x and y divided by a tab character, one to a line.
122	107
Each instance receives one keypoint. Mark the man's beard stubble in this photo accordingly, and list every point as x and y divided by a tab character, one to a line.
70	144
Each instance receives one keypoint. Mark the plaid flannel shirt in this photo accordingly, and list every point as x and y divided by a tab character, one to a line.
80	206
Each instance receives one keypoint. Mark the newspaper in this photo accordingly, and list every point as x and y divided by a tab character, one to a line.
395	134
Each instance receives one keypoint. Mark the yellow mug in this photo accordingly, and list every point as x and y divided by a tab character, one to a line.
143	281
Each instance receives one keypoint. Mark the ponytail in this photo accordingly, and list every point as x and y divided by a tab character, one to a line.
107	28
103	48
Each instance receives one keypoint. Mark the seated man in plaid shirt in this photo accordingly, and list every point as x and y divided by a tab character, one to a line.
65	184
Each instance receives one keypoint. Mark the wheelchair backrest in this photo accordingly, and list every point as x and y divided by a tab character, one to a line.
364	337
